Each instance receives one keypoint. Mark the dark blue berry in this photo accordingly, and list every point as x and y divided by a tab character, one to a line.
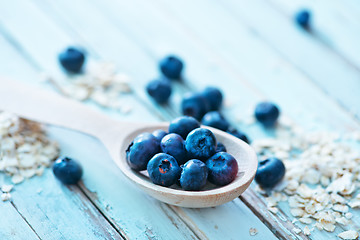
72	59
193	176
222	167
67	170
159	90
220	147
141	150
194	105
239	135
183	125
303	18
200	144
174	145
171	66
267	113
214	96
159	134
216	120
163	169
270	172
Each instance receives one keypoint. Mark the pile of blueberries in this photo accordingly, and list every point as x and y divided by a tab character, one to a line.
187	155
203	106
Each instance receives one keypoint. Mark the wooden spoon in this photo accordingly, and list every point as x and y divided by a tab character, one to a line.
47	107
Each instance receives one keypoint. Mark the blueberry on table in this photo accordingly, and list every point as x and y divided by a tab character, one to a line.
194	105
171	66
270	171
214	96
183	125
200	144
267	113
239	135
222	167
216	120
159	134
160	90
141	150
220	147
67	170
302	18
163	169
174	145
193	175
72	59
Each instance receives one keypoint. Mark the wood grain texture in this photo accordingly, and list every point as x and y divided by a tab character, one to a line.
13	225
140	228
150	41
326	69
76	18
330	27
216	44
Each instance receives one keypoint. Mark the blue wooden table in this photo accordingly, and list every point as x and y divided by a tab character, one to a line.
251	49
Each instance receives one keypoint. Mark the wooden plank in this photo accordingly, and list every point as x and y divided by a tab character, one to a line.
59	212
13	226
241	53
221	223
191	20
158	216
336	76
27	202
254	219
154	24
137	26
330	27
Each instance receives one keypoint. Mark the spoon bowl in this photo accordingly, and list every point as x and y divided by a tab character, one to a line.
46	107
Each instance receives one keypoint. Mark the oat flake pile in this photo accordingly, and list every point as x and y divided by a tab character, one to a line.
25	150
322	178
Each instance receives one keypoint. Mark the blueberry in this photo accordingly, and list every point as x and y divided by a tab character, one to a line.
141	150
239	135
159	134
171	66
183	125
302	18
220	147
267	113
223	168
216	120
159	90
72	59
214	96
193	176
200	144
194	105
67	170
163	169
270	172
174	145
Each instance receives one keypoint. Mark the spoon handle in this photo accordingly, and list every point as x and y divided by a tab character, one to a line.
48	107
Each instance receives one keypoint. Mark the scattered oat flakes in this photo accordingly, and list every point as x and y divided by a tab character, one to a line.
296	230
7	188
322	177
253	231
307	231
5	197
24	149
273	210
350	234
101	83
